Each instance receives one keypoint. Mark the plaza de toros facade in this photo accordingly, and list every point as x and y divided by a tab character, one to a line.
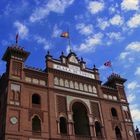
65	101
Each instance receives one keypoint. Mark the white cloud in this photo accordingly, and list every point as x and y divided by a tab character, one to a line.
132	85
85	29
42	41
137	72
21	29
135	112
90	43
114	35
134	22
12	8
123	55
134	46
102	23
129	55
95	7
56	6
114	8
131	97
56	31
130	5
134	109
116	20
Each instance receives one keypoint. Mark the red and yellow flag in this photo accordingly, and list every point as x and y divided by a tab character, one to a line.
65	35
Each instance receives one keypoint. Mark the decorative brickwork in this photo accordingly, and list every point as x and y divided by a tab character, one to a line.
16	68
61	104
95	110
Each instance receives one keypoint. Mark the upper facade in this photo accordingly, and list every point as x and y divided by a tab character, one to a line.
65	101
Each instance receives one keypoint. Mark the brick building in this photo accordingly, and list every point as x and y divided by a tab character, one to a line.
66	101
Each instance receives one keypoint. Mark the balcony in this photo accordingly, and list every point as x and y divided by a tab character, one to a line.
82	137
36	106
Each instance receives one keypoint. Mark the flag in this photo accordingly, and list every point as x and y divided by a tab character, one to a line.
107	64
65	35
16	38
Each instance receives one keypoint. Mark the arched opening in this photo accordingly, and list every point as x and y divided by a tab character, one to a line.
98	129
63	125
36	99
114	112
118	133
36	124
80	118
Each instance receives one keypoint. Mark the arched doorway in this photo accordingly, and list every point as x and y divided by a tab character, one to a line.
80	118
36	124
63	125
118	133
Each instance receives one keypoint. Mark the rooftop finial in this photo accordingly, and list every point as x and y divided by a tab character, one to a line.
62	53
137	129
48	52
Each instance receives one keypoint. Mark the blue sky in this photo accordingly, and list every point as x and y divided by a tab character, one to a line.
100	30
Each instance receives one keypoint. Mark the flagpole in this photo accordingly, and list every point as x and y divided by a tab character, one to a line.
112	69
69	41
17	36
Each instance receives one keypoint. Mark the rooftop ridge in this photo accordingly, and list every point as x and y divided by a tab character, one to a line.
34	68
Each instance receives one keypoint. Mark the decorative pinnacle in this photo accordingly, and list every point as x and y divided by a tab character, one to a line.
48	52
62	53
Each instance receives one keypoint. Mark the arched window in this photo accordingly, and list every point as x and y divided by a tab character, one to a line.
76	85
61	82
36	99
81	86
118	133
36	124
71	84
56	81
80	118
94	89
85	87
66	83
114	112
98	129
89	88
63	125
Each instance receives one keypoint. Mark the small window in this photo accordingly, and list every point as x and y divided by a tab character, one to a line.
36	99
36	124
85	87
71	84
114	112
118	133
98	129
89	88
61	82
76	85
63	125
66	83
56	81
